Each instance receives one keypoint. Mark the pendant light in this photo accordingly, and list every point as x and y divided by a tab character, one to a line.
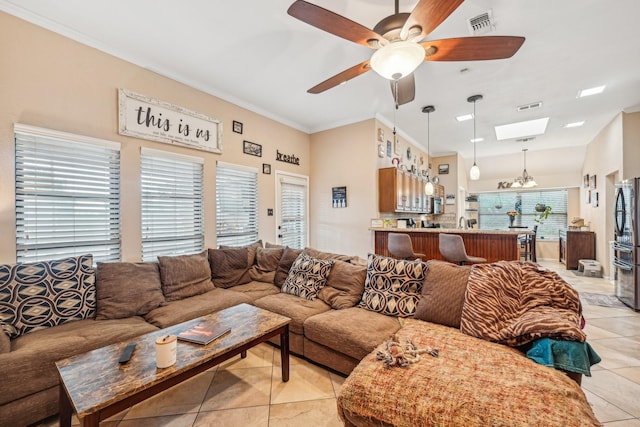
428	187
474	173
525	180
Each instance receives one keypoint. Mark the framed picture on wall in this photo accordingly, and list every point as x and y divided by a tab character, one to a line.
389	150
443	169
592	182
594	201
585	181
237	127
587	196
266	168
252	148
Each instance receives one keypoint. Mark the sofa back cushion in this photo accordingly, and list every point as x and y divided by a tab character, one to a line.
185	275
253	247
126	289
443	293
229	267
267	260
307	276
392	286
328	255
38	295
289	255
344	286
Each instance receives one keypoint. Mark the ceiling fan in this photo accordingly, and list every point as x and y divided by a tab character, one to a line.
399	43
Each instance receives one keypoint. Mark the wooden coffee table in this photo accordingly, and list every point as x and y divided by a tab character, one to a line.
96	386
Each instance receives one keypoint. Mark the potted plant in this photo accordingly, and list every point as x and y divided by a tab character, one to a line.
541	207
542	215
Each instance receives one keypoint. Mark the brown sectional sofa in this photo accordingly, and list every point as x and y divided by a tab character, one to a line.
331	330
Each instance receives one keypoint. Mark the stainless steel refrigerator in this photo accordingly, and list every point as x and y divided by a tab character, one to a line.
627	242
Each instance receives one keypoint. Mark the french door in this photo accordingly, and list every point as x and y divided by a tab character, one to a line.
292	217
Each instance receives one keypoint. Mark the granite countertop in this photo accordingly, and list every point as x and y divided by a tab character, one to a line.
452	230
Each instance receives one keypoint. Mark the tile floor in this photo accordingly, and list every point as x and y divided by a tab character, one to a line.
250	393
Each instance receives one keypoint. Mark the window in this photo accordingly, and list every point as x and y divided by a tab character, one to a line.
236	205
172	204
493	208
293	213
67	196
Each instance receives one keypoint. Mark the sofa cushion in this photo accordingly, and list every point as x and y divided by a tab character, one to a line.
252	248
327	255
267	260
43	294
229	267
185	275
443	293
289	255
29	367
344	286
392	286
126	289
255	290
296	308
199	305
343	331
307	276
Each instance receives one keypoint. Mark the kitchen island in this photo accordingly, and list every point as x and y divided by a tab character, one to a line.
494	245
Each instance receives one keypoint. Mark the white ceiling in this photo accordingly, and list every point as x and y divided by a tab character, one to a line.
251	53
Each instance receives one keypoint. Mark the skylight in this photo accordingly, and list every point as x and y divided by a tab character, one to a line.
521	129
591	91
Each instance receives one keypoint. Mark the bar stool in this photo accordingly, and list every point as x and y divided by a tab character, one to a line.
400	246
528	246
452	249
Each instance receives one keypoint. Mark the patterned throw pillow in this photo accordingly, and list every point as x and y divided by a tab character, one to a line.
307	276
43	294
392	286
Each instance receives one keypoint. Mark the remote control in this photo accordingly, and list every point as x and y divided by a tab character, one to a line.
126	353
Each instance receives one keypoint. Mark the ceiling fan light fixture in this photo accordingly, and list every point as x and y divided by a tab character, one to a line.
397	60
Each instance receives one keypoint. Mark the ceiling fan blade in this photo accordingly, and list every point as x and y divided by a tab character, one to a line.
333	23
406	89
427	15
342	77
472	48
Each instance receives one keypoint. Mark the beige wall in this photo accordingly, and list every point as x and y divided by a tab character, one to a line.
344	156
49	81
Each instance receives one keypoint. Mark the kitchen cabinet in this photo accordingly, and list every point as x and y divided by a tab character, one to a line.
401	191
574	246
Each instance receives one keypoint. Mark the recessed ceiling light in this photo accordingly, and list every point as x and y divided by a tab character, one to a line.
477	140
520	129
591	91
574	124
464	117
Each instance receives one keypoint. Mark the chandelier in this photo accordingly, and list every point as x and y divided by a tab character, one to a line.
525	180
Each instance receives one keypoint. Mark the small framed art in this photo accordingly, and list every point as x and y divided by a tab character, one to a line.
252	148
237	127
266	168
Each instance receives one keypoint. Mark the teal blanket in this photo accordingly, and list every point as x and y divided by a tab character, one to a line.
570	356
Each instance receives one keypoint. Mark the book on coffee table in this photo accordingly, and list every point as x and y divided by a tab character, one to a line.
203	333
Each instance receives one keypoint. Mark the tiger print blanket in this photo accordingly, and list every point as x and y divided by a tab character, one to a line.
513	303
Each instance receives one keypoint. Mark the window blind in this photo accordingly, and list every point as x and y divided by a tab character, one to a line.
293	229
172	204
493	208
236	205
67	196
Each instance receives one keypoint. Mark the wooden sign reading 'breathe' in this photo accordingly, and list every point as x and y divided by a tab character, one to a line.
149	118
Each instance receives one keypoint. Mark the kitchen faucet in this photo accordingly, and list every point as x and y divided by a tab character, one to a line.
462	223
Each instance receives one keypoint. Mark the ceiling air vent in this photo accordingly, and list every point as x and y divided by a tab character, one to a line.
481	24
530	138
528	107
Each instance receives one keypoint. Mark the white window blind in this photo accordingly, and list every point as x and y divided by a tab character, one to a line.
236	205
172	204
493	208
67	196
293	216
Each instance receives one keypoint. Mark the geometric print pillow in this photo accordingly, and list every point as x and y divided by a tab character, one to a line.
307	276
43	294
392	286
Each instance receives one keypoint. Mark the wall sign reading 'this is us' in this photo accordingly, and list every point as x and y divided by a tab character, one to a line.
143	117
287	158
